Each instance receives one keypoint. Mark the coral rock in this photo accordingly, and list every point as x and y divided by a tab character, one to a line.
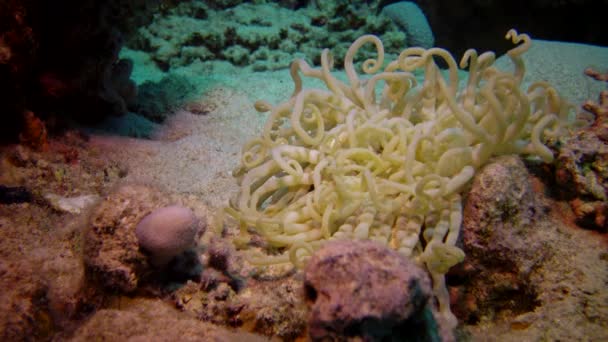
112	255
502	242
153	320
364	289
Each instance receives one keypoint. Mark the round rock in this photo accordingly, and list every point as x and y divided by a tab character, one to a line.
363	289
166	233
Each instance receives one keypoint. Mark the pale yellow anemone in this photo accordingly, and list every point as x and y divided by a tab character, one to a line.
385	158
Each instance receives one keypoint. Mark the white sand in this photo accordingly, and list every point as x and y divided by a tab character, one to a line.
201	161
562	65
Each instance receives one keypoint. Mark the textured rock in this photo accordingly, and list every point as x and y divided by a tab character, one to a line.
167	232
502	244
111	250
525	270
153	320
24	316
364	289
581	170
73	205
271	308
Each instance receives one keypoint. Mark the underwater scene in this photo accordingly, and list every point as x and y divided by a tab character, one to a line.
292	170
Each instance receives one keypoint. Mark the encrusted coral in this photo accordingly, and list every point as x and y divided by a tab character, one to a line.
360	161
599	108
263	36
581	169
349	284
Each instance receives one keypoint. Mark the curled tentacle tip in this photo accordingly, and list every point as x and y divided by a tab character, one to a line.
511	33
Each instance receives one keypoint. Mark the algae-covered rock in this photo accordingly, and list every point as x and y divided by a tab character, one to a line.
500	240
362	289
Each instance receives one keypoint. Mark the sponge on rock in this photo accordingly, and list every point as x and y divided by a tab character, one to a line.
166	233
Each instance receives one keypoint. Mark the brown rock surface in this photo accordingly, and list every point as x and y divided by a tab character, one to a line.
153	320
362	289
111	250
526	276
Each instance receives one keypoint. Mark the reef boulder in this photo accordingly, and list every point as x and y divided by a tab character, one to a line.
364	289
111	251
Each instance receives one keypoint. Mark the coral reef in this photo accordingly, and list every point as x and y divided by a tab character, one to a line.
263	36
581	170
406	155
272	308
581	175
499	237
344	163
